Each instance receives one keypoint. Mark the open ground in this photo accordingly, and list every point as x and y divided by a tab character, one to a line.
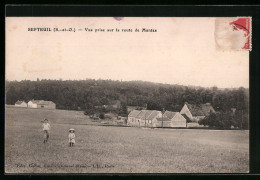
110	149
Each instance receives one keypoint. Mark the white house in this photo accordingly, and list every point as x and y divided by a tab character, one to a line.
143	118
41	104
151	120
195	112
20	104
32	104
131	121
171	119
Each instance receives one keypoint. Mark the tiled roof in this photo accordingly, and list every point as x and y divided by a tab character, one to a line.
134	113
200	109
163	119
144	114
169	114
153	115
19	102
147	114
41	102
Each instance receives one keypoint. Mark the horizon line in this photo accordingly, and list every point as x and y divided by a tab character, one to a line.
194	86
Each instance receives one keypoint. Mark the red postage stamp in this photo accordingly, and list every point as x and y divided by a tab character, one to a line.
233	33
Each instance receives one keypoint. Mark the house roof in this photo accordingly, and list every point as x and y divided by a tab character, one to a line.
153	115
134	113
19	102
169	114
144	114
163	119
200	109
41	102
147	114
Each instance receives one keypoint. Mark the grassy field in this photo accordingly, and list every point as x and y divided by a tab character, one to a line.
108	149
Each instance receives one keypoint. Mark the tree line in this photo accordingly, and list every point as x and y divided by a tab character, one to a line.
86	94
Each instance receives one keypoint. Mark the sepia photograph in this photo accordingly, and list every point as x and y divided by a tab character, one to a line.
127	95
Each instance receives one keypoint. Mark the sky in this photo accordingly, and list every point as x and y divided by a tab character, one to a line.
182	51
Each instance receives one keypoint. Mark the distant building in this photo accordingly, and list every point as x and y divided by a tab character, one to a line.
131	108
131	120
151	120
171	119
41	104
195	112
143	118
20	104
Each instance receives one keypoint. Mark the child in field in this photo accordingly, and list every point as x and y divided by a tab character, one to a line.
46	128
71	137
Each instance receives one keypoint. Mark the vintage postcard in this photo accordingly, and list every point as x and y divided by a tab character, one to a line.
127	94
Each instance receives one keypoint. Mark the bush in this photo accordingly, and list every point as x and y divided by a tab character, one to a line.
107	116
101	116
224	120
219	120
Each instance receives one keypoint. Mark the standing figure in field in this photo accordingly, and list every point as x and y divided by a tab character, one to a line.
71	137
46	128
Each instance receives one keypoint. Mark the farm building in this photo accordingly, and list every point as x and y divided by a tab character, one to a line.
41	104
152	118
195	112
20	104
143	118
171	119
132	118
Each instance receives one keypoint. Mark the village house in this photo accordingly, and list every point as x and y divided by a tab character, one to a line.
171	119
151	120
196	112
20	104
131	120
143	118
41	104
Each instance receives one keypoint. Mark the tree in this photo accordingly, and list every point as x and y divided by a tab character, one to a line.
11	95
154	105
89	110
123	110
77	94
220	120
241	119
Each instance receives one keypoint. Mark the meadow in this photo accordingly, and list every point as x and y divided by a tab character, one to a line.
111	149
